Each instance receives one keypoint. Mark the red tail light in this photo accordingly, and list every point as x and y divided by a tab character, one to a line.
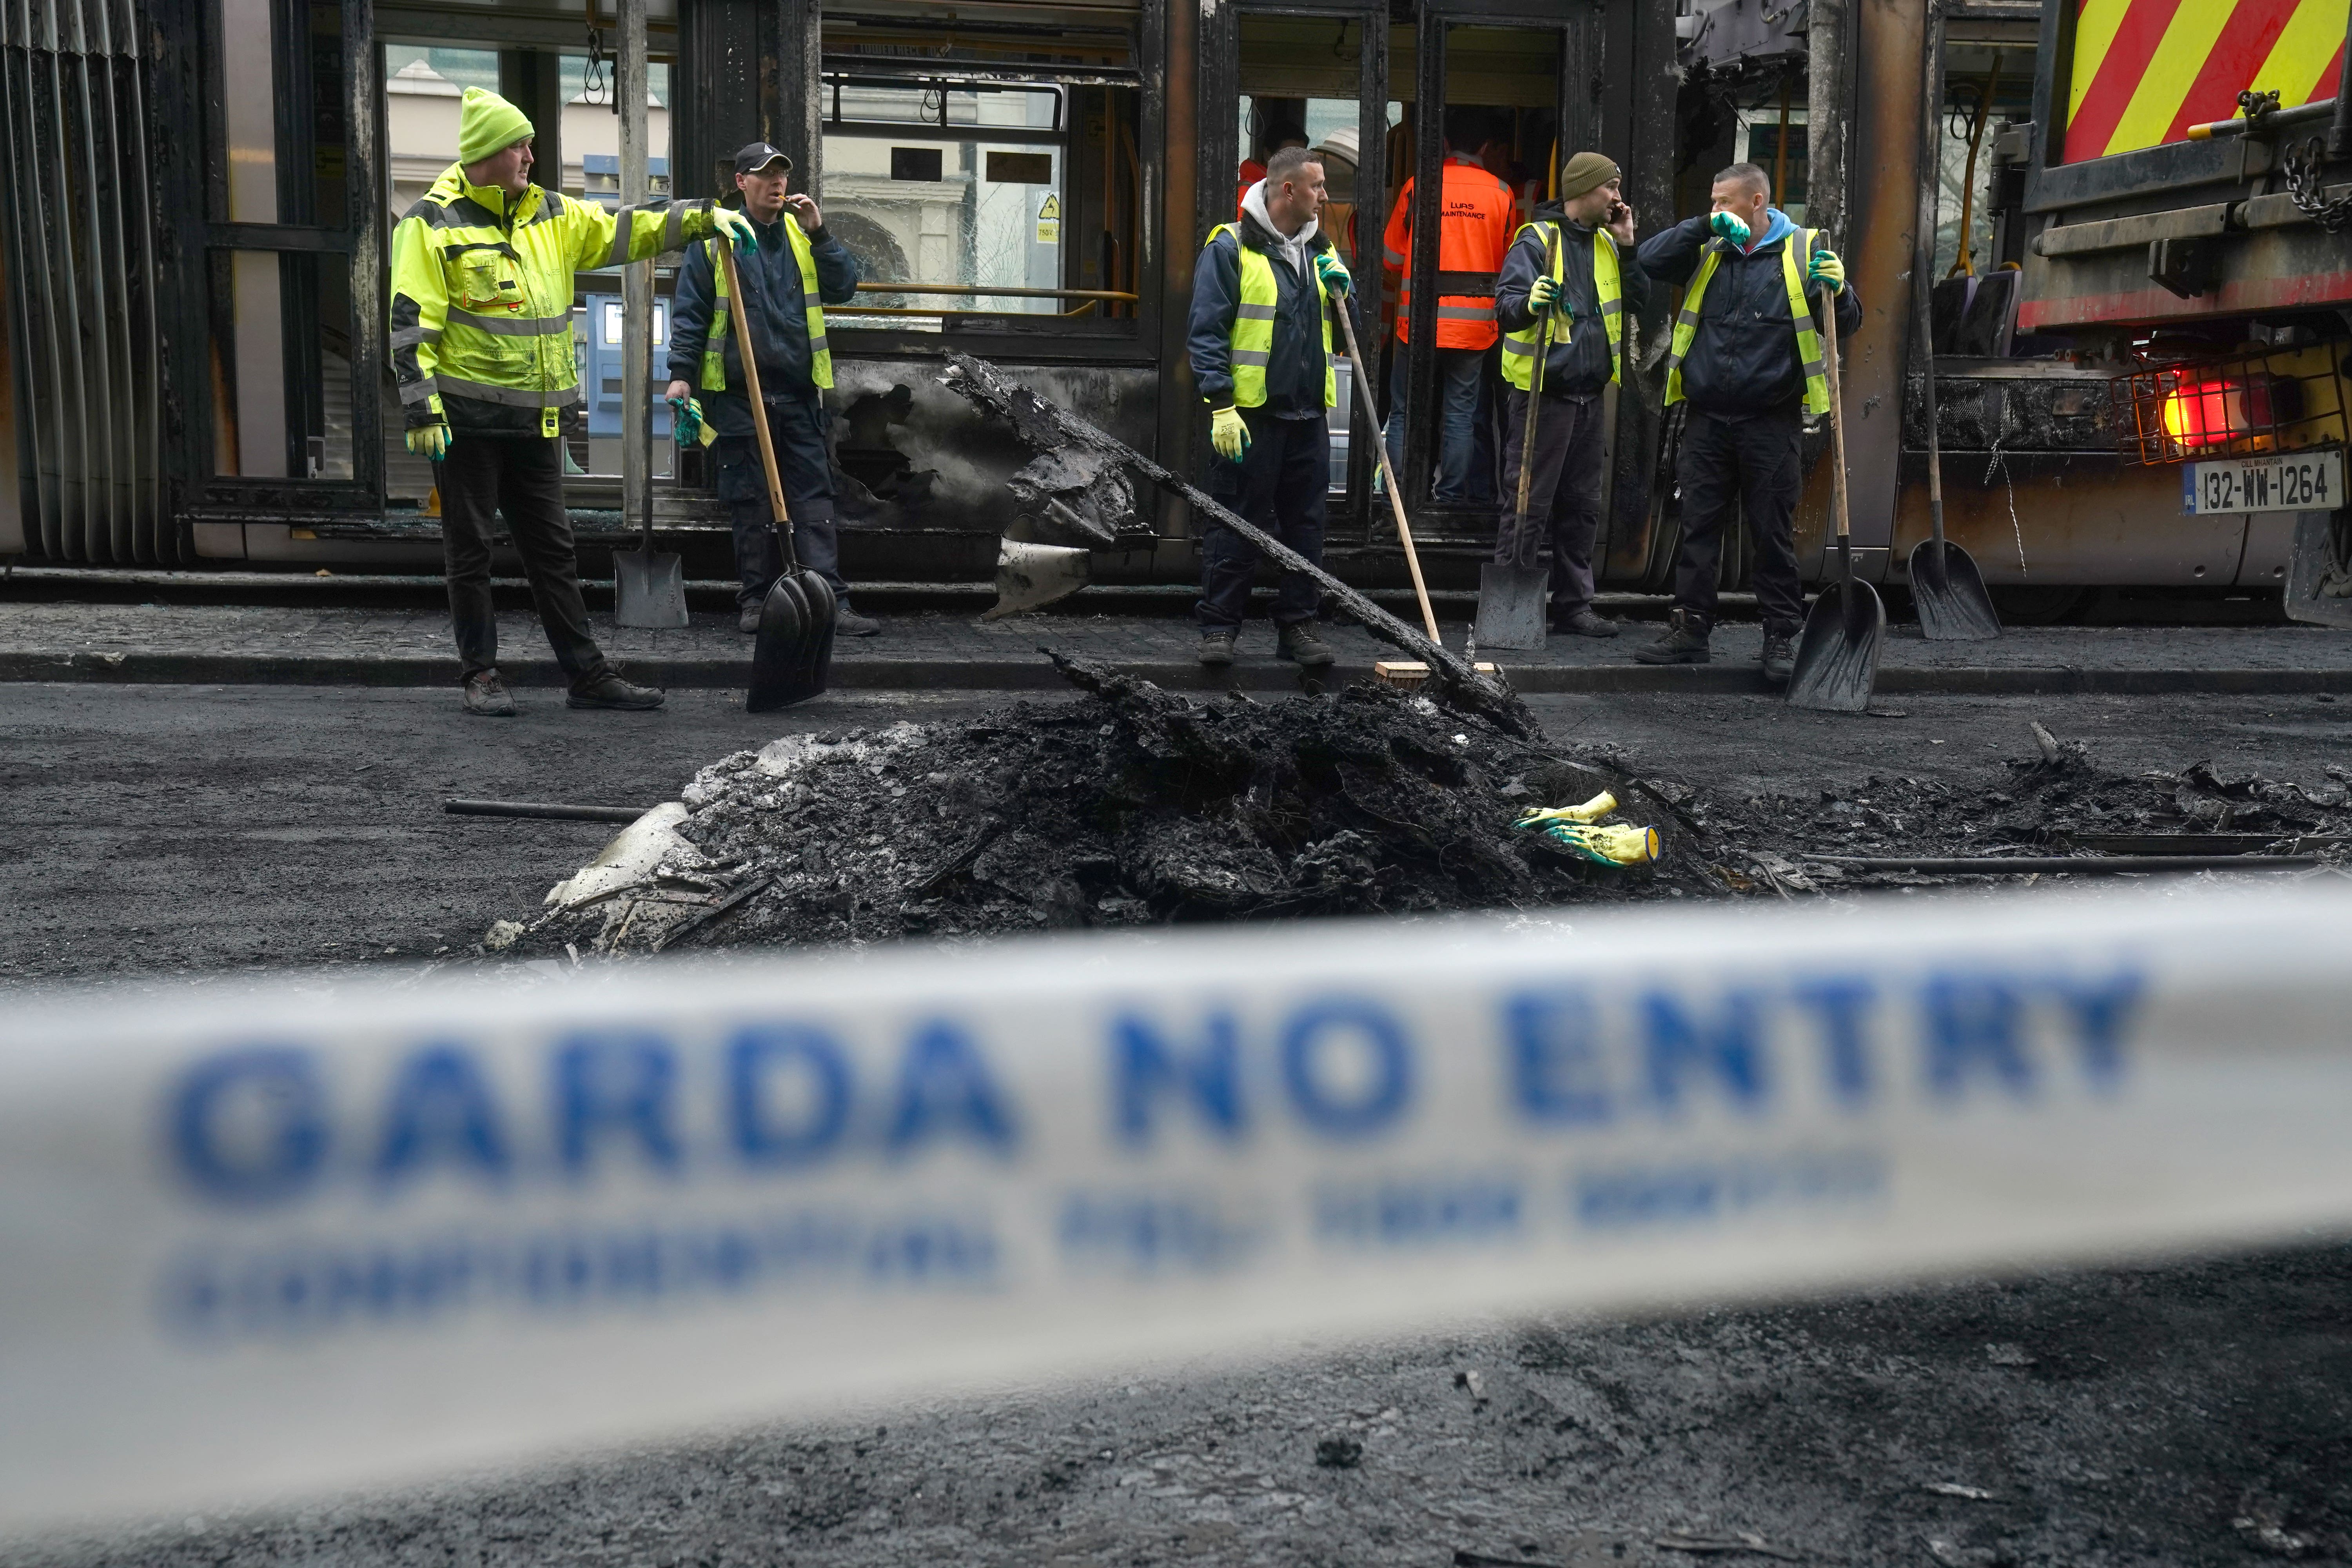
2215	413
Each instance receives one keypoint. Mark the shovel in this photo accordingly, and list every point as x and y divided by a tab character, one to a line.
1388	479
794	651
1944	583
648	589
1837	655
1513	586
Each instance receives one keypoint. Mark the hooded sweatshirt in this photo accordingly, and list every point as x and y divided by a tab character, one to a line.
1577	365
1294	368
1743	360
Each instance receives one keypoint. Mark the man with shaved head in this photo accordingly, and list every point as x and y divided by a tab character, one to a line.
1747	354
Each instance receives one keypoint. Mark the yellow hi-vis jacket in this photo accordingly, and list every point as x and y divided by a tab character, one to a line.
481	295
1519	347
714	341
1808	341
1253	339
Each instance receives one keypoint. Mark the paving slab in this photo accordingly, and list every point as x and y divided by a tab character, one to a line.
933	650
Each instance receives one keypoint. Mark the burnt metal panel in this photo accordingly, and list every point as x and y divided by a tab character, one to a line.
2056	518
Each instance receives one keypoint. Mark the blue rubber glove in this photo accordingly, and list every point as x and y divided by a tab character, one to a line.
1228	435
1827	268
737	229
430	441
1730	226
1334	273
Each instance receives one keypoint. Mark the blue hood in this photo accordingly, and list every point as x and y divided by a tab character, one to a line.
1779	228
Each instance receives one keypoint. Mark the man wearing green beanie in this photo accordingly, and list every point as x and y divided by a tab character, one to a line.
481	345
1574	263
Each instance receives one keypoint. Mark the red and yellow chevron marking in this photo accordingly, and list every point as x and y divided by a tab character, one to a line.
2147	71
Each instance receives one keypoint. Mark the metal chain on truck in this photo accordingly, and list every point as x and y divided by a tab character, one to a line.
2302	166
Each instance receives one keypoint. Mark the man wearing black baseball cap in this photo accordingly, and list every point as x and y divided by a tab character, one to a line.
796	270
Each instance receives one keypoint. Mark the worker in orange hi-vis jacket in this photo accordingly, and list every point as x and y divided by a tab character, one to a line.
1476	215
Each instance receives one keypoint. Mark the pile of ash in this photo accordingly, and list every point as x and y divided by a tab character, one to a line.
1128	806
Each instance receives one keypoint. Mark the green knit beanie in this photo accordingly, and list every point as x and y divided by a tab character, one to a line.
488	124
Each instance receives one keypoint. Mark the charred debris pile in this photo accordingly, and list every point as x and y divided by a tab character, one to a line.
1128	806
1135	805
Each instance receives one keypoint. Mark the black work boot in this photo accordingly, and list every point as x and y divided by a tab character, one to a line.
609	691
747	623
1585	622
848	623
1779	655
1216	644
1302	646
488	696
1684	642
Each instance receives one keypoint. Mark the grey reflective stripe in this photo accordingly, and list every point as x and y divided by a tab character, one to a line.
431	211
513	396
1617	307
1689	317
1253	356
620	237
817	344
1254	312
418	390
1466	312
1395	258
1522	347
1814	367
551	206
512	326
409	337
674	230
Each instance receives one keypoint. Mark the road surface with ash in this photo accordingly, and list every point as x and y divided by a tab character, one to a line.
2187	1414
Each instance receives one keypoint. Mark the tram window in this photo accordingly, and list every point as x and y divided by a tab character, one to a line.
947	184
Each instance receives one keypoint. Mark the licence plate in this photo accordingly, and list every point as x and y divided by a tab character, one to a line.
2306	481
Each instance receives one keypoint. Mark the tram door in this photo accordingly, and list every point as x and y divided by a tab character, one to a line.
1480	134
1314	76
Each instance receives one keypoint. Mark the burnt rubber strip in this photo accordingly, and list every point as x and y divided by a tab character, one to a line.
544	809
2068	864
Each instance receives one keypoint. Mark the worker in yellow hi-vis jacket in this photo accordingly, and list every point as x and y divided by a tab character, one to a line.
482	345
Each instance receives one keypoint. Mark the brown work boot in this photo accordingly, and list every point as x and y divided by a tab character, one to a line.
609	691
1684	641
1216	644
488	696
1303	647
1586	622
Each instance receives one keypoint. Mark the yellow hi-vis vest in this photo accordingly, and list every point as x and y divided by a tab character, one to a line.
1808	341
714	341
481	289
1253	339
1519	347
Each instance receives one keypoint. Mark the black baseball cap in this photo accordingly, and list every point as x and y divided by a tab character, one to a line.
758	156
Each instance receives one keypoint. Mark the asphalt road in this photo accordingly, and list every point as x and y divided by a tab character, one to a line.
2192	1413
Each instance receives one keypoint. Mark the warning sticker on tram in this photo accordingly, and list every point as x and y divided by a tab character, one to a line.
2305	481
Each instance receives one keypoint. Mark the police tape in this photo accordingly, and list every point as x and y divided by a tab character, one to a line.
254	1246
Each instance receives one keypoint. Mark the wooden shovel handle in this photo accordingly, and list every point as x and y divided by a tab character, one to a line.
1364	376
752	385
1535	396
1837	403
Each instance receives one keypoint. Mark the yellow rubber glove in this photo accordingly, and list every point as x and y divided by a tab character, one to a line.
430	441
1337	279
1547	295
1621	846
1827	268
1228	435
737	229
1731	226
1591	811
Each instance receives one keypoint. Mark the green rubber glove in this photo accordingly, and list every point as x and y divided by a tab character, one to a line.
430	441
687	425
737	229
1547	295
1228	435
1827	268
1731	226
1337	279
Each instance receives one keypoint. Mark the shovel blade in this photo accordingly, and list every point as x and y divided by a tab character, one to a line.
648	590
1949	593
1029	576
1511	605
1837	654
792	658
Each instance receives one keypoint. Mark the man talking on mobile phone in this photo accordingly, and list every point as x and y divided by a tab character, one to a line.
797	269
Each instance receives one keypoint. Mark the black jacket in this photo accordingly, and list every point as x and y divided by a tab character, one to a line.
779	317
1295	369
1743	360
1578	367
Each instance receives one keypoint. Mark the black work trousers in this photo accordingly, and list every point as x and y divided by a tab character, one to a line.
796	425
1563	493
1751	464
1280	485
522	477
